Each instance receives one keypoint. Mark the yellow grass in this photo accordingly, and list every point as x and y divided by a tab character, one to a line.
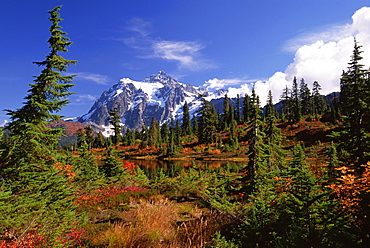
160	223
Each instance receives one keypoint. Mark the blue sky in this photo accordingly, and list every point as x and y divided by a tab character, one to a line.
212	43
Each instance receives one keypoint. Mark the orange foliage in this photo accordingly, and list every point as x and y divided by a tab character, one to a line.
66	170
214	152
100	196
129	166
33	239
187	149
351	186
30	239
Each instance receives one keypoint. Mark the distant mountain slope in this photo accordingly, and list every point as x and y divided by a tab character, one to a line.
158	96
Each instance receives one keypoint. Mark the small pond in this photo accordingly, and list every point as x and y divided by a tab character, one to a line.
172	167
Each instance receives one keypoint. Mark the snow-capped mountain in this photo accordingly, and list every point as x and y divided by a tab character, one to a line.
158	96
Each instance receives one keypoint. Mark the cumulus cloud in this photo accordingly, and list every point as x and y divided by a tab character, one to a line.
215	83
97	78
320	56
5	122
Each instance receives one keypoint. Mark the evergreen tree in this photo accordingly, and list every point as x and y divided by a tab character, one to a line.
355	108
309	218
255	139
305	97
89	137
225	121
165	132
208	122
195	124
154	133
177	132
47	96
318	102
333	161
85	137
237	110
99	141
87	171
275	155
286	101
112	167
115	120
130	137
172	148
246	108
143	135
41	197
295	102
186	122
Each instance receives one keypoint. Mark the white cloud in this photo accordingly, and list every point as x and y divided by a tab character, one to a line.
185	53
139	25
215	83
81	99
320	56
4	123
97	78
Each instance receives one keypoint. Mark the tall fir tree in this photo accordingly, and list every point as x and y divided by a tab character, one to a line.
355	108
238	110
41	199
275	154
165	132
225	121
115	121
255	139
154	133
318	101
295	102
246	107
305	97
286	102
208	122
186	121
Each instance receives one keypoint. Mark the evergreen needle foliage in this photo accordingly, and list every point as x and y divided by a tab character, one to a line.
41	197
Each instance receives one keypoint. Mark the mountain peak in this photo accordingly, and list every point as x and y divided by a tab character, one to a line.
161	77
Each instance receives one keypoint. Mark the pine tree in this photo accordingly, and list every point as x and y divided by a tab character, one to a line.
295	102
286	101
237	110
41	198
226	114
255	139
99	141
333	161
318	102
246	108
177	132
275	155
129	137
115	121
186	122
87	171
154	133
208	122
305	98
195	124
310	218
355	108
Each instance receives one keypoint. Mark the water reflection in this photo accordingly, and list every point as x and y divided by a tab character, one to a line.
172	167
